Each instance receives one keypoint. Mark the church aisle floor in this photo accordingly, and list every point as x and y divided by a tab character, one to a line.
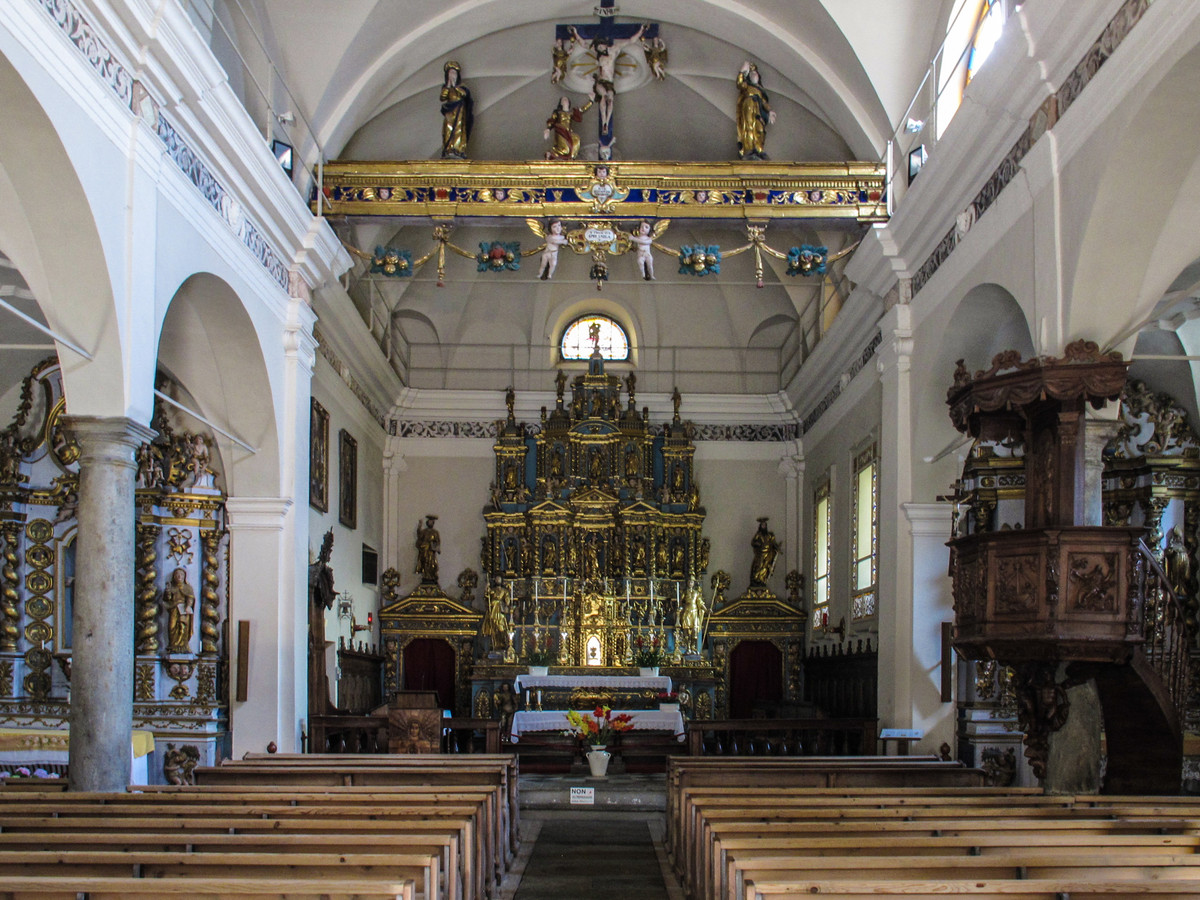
570	854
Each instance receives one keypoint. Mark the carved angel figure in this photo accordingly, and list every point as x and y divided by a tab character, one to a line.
656	57
178	764
643	237
555	238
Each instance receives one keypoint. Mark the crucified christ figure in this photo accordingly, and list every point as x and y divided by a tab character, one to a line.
607	51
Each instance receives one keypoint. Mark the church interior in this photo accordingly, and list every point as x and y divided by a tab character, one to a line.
709	381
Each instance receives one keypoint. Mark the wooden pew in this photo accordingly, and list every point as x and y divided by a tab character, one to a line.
317	868
421	821
1038	889
388	771
507	762
71	886
1132	868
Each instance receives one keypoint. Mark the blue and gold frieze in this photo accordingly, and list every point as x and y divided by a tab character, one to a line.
446	188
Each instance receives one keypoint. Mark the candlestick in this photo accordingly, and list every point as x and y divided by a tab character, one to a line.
527	698
539	700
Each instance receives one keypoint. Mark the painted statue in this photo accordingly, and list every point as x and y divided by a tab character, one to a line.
754	113
457	113
429	545
180	601
766	551
565	142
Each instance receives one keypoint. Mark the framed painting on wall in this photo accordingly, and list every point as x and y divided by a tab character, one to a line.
347	479
318	457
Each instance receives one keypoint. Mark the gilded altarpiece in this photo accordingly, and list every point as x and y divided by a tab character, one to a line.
594	548
180	599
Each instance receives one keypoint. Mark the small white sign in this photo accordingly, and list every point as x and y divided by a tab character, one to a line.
599	235
583	796
913	733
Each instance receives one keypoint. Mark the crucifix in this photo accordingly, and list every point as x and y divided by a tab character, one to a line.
599	52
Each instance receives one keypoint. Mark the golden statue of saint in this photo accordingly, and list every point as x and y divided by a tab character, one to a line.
754	113
180	600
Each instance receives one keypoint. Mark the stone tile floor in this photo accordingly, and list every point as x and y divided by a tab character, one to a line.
594	854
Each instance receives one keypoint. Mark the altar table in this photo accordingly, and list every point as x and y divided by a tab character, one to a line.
660	683
31	747
556	720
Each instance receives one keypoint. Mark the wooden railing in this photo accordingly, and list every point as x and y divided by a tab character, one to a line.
782	737
1163	626
369	734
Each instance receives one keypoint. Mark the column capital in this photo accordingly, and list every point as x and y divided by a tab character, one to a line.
929	518
108	439
791	467
256	513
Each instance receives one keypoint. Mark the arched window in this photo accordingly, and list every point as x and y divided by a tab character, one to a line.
577	340
987	31
971	33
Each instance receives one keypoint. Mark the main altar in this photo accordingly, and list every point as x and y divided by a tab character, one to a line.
594	553
594	565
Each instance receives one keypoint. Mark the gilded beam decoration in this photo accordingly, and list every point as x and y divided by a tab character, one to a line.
446	188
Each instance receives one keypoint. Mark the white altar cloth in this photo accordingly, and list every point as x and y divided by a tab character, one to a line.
556	720
660	683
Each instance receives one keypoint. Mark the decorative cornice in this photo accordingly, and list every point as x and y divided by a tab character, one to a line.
836	391
411	428
344	372
1043	119
133	95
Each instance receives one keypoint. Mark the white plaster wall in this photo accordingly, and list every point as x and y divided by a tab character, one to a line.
454	488
736	493
345	411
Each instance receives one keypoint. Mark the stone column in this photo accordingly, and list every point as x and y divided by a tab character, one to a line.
102	654
791	467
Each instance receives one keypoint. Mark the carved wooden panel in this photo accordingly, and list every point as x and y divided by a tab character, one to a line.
1016	591
1092	581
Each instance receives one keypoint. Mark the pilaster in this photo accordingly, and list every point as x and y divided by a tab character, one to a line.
263	592
894	364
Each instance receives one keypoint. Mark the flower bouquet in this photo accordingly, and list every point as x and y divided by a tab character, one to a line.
649	654
598	727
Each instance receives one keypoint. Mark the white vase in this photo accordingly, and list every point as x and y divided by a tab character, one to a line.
539	670
598	762
648	671
668	707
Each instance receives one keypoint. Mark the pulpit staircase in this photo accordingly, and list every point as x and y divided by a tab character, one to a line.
1057	592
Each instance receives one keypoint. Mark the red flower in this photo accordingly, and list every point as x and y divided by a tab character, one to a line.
599	713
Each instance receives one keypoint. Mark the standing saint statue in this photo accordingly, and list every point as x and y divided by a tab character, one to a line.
766	551
495	623
692	618
754	113
180	600
429	545
457	113
565	142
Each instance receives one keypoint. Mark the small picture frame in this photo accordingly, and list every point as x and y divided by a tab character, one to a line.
347	479
318	457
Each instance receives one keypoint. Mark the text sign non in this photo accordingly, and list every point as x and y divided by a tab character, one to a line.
583	796
910	733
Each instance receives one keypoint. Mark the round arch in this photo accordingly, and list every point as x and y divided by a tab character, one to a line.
208	343
1133	244
985	321
52	236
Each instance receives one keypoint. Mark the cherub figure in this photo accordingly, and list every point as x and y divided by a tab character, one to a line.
554	238
560	53
656	57
643	238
